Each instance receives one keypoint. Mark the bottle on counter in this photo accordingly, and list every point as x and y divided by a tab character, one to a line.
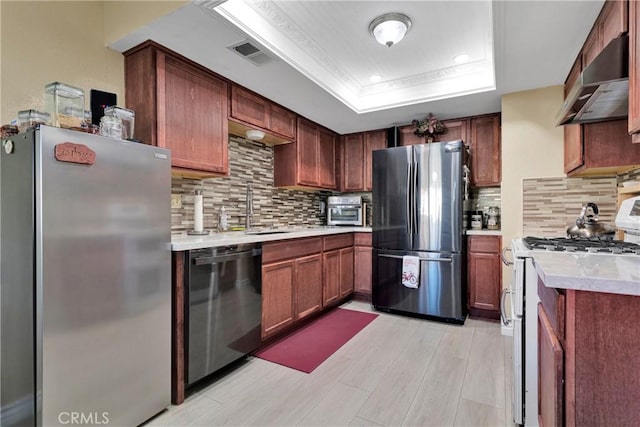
223	220
493	218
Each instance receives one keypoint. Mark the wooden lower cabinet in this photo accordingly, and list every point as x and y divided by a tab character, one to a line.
300	277
346	272
550	373
588	354
484	276
331	284
278	310
308	286
362	263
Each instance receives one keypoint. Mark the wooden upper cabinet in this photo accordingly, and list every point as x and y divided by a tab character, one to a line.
613	20
249	108
634	70
327	159
573	134
456	129
407	137
485	151
282	121
374	140
181	106
310	161
254	110
308	153
592	47
353	162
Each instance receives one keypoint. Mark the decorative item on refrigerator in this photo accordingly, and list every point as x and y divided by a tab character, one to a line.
411	271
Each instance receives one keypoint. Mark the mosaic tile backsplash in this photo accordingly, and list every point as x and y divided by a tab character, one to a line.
248	161
550	205
633	175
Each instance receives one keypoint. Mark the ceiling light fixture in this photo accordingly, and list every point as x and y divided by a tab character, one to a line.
390	28
254	134
375	78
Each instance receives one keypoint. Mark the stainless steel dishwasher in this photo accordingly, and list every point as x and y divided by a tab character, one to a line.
224	307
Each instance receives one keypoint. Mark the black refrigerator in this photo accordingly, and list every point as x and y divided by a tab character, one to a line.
418	196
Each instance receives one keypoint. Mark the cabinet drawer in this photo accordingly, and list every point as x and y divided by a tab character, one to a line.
287	249
486	244
553	303
362	239
338	241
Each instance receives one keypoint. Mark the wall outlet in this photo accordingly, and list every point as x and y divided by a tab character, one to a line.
176	201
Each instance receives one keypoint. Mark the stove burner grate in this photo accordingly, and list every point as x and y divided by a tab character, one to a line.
581	244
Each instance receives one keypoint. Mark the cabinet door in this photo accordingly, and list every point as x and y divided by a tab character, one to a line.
406	136
592	47
376	140
634	67
353	162
483	280
331	282
327	159
277	297
307	153
485	151
550	374
456	129
613	20
308	284
249	108
362	257
346	271
192	116
282	121
573	142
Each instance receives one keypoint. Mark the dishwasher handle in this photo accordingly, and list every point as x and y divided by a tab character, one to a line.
207	260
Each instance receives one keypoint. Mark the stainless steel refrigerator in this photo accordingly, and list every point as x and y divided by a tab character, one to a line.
417	196
85	264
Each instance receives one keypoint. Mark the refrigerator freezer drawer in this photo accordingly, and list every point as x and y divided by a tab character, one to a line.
440	293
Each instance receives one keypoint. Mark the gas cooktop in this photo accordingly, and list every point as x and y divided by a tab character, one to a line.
584	245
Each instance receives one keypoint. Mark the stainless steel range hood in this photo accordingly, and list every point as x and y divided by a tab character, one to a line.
602	91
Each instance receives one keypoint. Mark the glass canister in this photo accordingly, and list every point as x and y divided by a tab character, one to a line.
493	218
127	116
476	220
65	104
111	126
29	118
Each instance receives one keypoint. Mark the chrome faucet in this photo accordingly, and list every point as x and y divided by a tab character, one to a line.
249	213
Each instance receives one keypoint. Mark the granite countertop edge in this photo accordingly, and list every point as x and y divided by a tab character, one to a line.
184	242
615	274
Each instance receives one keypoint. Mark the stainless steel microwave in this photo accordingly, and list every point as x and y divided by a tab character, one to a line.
344	210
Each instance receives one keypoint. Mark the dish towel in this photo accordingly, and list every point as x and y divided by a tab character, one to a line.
411	271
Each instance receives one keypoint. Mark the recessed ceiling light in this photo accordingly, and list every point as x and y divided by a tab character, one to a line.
375	78
461	59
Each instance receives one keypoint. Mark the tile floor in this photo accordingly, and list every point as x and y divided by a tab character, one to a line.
398	371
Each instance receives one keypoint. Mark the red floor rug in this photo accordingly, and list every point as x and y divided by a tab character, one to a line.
305	349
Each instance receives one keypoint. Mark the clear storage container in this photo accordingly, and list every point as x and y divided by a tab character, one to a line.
127	116
29	118
65	104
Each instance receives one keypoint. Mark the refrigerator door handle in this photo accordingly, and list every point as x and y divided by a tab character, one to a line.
409	201
420	258
414	202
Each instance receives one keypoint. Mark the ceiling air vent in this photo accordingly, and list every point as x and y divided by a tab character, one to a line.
250	52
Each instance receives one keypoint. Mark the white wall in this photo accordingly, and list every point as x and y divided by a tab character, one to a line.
532	147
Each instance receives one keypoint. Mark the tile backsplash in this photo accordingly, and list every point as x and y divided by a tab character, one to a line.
633	175
248	161
550	205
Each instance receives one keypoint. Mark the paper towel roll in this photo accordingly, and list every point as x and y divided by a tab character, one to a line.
197	212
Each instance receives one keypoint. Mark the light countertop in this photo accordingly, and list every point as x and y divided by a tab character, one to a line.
616	274
483	232
185	242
